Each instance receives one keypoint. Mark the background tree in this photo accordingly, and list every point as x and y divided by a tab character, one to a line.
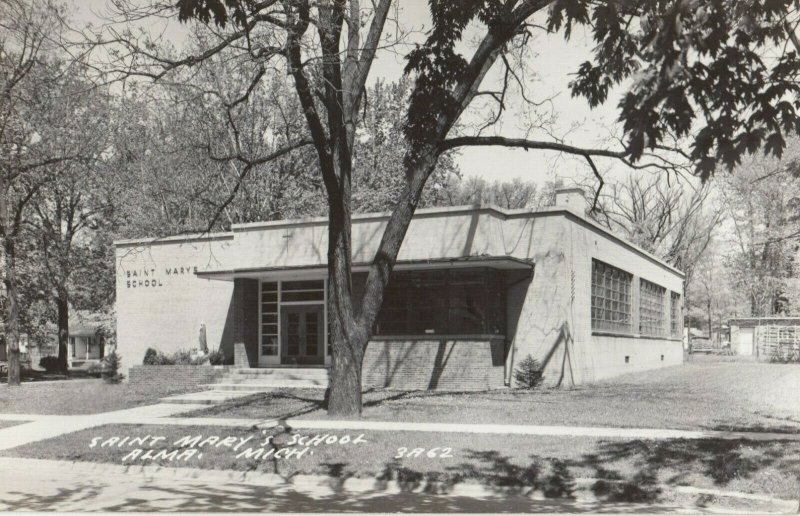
670	217
762	198
514	194
74	206
34	125
379	151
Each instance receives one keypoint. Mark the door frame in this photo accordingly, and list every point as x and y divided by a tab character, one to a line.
306	309
270	360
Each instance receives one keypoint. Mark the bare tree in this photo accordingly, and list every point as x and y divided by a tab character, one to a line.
511	195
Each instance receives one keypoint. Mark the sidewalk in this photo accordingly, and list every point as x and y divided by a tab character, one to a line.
41	427
31	484
44	427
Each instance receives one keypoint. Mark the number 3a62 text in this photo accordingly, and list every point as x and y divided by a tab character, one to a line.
431	453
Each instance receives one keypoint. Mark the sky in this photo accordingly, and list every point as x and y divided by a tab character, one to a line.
553	62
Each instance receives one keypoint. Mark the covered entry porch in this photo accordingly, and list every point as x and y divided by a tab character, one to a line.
443	323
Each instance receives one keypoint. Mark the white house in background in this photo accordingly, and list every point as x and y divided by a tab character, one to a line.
86	346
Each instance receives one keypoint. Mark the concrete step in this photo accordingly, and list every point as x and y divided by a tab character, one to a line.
267	381
210	397
282	374
286	377
315	372
266	386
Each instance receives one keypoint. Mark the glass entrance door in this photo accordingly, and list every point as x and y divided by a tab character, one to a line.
301	334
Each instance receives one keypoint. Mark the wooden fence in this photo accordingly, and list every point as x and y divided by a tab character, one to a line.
779	343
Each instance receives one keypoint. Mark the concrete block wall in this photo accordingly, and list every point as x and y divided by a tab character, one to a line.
554	310
181	377
434	364
161	303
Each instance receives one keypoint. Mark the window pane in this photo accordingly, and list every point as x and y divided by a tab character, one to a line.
302	296
651	308
676	316
302	285
610	298
466	301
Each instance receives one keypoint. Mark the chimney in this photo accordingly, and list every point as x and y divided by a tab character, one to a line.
572	198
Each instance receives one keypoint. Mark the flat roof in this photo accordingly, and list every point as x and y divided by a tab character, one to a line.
788	320
495	262
501	213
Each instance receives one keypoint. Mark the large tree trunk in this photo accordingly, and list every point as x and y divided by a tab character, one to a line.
349	340
62	302
12	318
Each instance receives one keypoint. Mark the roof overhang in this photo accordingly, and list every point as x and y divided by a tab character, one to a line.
493	262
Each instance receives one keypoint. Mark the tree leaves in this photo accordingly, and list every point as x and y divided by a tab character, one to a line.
692	62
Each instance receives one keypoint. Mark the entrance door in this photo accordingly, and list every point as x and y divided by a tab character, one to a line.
745	344
301	334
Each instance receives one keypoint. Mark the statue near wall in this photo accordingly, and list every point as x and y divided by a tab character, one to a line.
202	342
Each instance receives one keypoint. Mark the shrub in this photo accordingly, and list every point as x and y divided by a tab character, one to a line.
50	364
150	357
216	357
187	357
528	373
110	371
180	357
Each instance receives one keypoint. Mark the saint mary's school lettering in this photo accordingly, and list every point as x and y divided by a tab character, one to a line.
149	278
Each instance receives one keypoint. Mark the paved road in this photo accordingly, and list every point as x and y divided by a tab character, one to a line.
41	485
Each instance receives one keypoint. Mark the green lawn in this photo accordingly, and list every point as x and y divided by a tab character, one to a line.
705	393
75	397
632	470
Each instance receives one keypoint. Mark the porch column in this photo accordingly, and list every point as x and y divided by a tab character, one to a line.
245	322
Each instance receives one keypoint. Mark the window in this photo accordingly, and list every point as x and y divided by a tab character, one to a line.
302	291
72	346
676	318
451	302
611	298
269	318
651	308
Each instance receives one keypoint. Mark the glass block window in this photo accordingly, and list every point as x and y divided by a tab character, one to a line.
269	318
611	298
676	315
651	308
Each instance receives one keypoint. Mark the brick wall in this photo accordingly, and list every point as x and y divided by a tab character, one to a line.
434	364
185	377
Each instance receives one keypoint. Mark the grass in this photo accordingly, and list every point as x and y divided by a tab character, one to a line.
629	470
702	394
76	397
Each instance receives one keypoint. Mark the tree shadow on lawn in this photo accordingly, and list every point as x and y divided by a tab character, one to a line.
627	476
631	472
721	460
